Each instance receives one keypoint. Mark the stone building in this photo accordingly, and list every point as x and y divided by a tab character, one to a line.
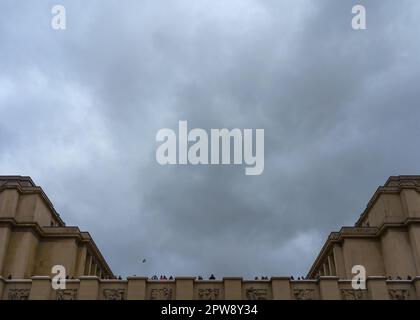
385	241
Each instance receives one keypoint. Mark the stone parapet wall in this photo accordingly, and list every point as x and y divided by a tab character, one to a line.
188	288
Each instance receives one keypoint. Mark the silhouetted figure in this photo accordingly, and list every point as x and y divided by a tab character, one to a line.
292	278
212	277
144	260
399	278
119	278
256	278
199	278
408	277
155	277
9	277
171	278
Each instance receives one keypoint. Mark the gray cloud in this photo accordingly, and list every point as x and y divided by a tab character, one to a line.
80	110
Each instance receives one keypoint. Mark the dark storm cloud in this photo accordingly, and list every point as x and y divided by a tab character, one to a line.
80	109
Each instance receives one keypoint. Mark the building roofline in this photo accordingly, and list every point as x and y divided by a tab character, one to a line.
355	232
25	185
394	184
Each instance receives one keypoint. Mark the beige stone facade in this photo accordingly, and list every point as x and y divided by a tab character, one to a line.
385	241
33	237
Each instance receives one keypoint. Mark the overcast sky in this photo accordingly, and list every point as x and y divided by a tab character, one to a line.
80	109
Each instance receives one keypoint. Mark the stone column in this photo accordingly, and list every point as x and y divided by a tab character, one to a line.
20	265
81	261
339	261
89	265
325	268
93	269
2	285
414	233
4	242
331	266
397	253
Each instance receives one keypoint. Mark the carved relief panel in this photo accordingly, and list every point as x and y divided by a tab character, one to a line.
66	294
351	294
208	294
252	293
114	294
161	294
304	294
18	294
399	294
